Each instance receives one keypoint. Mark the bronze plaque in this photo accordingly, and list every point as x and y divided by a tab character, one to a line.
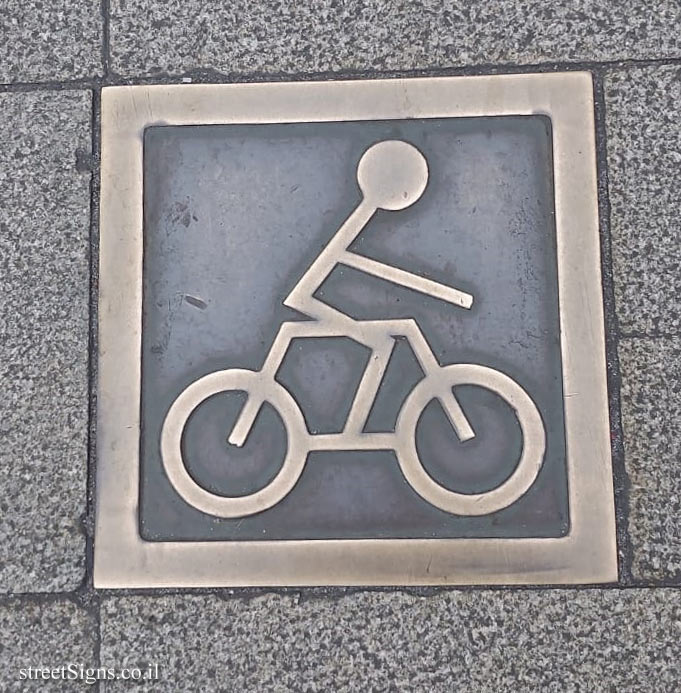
352	333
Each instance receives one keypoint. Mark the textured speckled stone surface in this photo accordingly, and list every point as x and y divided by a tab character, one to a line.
44	232
477	641
52	40
40	634
148	37
651	416
644	163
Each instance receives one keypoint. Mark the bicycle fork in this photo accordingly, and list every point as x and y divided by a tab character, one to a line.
430	366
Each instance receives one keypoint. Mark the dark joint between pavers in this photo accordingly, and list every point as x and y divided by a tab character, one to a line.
212	76
612	337
106	37
649	335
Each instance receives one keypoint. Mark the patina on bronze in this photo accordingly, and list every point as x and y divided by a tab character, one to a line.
258	534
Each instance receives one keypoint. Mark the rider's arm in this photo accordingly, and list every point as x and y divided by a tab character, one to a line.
404	278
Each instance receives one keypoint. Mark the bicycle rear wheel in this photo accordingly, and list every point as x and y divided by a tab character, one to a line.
171	443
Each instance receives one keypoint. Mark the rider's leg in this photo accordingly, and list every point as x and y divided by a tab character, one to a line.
430	365
368	386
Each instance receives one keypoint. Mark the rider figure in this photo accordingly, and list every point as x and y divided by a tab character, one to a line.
392	175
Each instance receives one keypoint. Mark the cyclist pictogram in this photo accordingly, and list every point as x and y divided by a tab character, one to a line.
392	175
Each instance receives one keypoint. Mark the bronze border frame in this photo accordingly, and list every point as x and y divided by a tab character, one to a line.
588	554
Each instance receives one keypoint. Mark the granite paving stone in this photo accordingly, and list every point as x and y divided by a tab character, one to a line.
549	640
50	634
44	282
644	166
651	417
554	640
55	40
150	37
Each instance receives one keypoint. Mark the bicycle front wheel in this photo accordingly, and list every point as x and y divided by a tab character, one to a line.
531	425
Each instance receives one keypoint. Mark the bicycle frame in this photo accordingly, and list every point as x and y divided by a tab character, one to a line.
377	335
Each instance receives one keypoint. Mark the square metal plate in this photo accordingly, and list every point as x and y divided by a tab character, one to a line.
352	333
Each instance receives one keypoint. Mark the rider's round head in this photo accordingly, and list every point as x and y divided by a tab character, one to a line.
392	174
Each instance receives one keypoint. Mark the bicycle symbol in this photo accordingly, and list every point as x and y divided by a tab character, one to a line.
392	175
